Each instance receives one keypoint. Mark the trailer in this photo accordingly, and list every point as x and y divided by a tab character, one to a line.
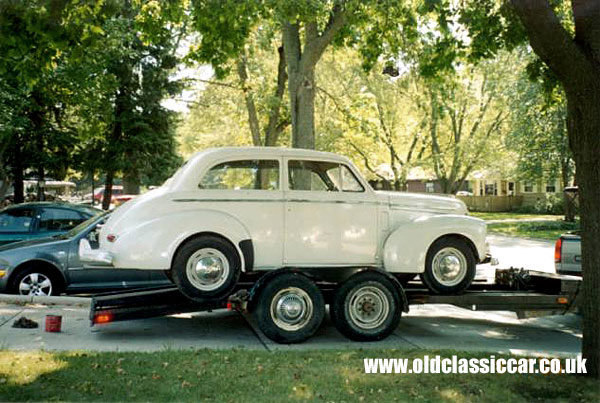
289	304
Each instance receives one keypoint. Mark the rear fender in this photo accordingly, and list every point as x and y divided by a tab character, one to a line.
405	249
152	244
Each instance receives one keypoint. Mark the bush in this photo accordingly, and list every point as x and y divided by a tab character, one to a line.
552	203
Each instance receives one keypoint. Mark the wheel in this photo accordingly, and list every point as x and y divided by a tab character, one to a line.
366	307
37	281
290	308
449	266
206	267
405	278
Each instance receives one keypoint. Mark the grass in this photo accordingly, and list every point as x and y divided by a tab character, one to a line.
251	376
549	230
514	216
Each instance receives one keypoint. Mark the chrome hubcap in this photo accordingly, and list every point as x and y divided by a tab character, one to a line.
449	266
368	307
291	309
35	284
207	269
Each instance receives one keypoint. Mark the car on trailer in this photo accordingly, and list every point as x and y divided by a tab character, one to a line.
299	217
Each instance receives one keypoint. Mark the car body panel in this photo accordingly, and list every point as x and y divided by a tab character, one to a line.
61	252
293	228
570	261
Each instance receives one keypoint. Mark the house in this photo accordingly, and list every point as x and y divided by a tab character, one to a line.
494	192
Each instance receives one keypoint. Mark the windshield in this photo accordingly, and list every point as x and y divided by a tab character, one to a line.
84	225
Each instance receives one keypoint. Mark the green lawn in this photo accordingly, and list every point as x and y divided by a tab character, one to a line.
550	230
514	216
259	376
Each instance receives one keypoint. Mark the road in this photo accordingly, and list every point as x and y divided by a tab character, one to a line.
426	326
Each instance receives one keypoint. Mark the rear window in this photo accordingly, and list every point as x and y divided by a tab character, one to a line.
16	220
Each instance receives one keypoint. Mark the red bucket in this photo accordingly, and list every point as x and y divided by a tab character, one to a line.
53	323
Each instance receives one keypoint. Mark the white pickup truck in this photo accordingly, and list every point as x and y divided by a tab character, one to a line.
229	211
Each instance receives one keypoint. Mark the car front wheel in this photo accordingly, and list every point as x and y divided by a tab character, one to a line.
36	282
449	266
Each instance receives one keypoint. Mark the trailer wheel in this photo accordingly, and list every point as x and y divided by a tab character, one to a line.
366	307
206	267
449	266
290	308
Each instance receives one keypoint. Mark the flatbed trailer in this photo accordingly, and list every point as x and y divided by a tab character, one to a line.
516	290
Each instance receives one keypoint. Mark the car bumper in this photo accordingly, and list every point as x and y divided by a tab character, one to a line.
94	257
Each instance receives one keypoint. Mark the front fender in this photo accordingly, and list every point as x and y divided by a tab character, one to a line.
152	244
405	249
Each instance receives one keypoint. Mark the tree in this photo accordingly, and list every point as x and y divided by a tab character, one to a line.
369	115
565	36
307	29
539	135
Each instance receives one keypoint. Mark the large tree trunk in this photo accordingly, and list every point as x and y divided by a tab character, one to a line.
576	63
584	131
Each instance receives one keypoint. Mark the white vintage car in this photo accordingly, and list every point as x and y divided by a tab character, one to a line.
233	210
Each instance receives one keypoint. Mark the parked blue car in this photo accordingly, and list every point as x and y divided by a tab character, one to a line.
41	220
51	266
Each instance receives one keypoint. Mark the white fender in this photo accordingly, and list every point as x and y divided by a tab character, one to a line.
406	248
152	244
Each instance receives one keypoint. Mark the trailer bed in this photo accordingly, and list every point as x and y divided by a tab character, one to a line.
514	290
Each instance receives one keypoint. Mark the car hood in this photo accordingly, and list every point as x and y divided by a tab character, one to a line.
32	242
423	202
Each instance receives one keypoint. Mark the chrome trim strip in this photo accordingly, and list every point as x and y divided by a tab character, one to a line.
279	201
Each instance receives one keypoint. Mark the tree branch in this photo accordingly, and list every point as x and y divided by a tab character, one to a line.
551	42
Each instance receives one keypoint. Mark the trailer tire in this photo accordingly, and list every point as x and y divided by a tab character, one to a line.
366	307
206	267
289	309
449	266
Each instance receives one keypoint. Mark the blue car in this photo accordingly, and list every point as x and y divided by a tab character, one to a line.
41	220
51	266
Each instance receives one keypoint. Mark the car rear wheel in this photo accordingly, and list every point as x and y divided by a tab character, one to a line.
37	282
206	267
290	308
366	307
449	266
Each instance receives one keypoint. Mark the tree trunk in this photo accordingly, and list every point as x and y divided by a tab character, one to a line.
108	184
568	201
584	129
302	102
17	173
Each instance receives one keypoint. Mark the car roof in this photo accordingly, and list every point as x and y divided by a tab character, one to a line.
71	206
267	152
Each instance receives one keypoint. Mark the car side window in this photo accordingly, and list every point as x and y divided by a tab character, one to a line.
314	175
242	175
56	219
16	220
349	181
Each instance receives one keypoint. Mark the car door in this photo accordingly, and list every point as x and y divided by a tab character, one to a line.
89	278
251	191
16	224
330	216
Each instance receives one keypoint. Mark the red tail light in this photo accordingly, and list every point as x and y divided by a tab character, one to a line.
111	238
103	317
558	251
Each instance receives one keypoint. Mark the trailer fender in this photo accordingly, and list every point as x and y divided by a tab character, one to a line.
405	249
